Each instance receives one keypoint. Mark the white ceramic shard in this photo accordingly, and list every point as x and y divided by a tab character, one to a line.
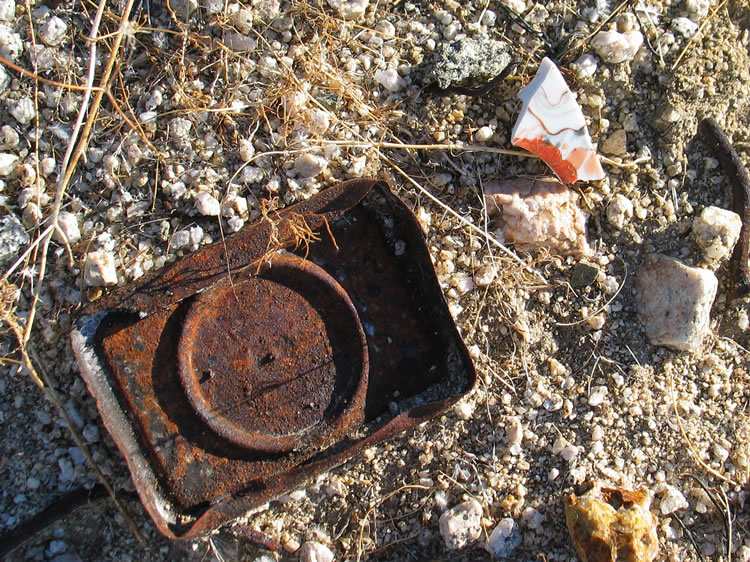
551	125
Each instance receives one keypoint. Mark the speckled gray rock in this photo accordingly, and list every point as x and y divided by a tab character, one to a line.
674	302
461	525
13	237
467	58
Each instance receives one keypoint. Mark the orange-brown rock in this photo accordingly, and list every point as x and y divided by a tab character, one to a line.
612	524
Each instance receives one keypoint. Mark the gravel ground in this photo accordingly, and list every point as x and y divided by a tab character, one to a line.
213	108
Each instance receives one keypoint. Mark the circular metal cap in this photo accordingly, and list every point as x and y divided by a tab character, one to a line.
275	361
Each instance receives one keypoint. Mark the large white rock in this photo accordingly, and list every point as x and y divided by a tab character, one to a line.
715	232
100	269
674	302
462	524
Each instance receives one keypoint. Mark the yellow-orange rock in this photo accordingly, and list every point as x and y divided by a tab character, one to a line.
612	524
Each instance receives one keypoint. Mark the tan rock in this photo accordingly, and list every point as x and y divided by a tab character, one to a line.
539	213
674	302
612	524
616	143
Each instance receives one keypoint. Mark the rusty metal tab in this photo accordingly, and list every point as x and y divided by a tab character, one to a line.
249	366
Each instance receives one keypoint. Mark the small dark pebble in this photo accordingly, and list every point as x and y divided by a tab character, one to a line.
584	274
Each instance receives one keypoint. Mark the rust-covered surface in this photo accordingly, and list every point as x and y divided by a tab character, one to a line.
249	366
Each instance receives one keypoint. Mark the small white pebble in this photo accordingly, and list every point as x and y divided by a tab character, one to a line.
68	224
464	409
619	211
53	32
586	65
23	110
483	134
7	163
315	552
100	269
309	165
207	205
597	395
349	9
672	500
390	79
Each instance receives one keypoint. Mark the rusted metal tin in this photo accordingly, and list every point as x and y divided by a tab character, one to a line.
251	365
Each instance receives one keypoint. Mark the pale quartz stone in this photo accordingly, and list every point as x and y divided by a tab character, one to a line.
514	434
672	500
614	47
206	204
685	27
247	150
390	79
181	239
7	163
68	224
100	269
23	110
597	395
586	65
243	20
11	44
539	214
483	134
616	143
315	552
7	10
4	79
238	42
53	32
464	409
47	166
533	518
619	211
715	232
674	302
349	9
461	525
504	539
309	165
697	8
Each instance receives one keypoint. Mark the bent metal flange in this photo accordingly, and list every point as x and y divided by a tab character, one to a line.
248	367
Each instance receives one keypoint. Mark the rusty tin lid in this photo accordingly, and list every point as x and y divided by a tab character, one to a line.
249	366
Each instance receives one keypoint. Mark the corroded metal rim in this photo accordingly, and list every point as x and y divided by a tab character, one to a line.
275	360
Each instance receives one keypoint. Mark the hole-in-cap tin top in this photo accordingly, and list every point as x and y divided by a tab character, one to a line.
275	360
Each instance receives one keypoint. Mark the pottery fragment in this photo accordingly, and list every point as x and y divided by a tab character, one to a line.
552	126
